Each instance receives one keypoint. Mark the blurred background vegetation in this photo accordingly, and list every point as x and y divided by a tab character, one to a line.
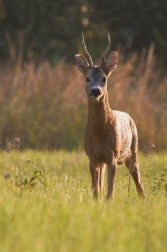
42	97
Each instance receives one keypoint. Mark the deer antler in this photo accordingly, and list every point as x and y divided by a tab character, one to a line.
105	52
85	48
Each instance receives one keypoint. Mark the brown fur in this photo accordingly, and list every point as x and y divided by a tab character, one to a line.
111	136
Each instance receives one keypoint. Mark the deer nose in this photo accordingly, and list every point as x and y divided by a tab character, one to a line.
95	92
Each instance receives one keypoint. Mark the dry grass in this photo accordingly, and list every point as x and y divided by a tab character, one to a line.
46	107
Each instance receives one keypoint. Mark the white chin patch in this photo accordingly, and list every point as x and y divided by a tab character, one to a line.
96	99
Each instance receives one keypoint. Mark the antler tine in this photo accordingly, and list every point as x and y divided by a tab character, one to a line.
105	52
85	48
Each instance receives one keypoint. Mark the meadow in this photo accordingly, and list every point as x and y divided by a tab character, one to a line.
46	204
46	201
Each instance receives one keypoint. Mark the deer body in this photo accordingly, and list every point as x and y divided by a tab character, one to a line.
111	136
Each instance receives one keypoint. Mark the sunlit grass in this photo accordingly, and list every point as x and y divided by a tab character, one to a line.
62	215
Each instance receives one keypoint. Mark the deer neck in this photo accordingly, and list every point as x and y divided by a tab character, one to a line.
99	114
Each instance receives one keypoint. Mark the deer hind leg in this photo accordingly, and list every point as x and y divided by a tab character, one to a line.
112	168
133	166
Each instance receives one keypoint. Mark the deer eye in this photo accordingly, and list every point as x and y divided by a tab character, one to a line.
87	79
104	79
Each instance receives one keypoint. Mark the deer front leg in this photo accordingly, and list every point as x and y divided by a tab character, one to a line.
112	168
95	175
102	172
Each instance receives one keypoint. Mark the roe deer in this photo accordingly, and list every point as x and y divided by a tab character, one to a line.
111	136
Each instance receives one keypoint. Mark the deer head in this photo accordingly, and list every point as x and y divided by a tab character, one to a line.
96	76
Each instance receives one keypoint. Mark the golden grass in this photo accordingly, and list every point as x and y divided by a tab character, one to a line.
46	106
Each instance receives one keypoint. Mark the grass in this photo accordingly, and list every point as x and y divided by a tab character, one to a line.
46	205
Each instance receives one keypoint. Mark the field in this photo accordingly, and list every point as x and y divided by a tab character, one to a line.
46	204
46	200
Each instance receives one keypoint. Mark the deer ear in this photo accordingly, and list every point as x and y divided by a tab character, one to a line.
110	63
81	62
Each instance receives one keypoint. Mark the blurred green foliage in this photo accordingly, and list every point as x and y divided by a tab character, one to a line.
51	29
138	22
44	25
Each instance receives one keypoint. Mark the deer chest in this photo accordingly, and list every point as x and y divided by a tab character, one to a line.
99	148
